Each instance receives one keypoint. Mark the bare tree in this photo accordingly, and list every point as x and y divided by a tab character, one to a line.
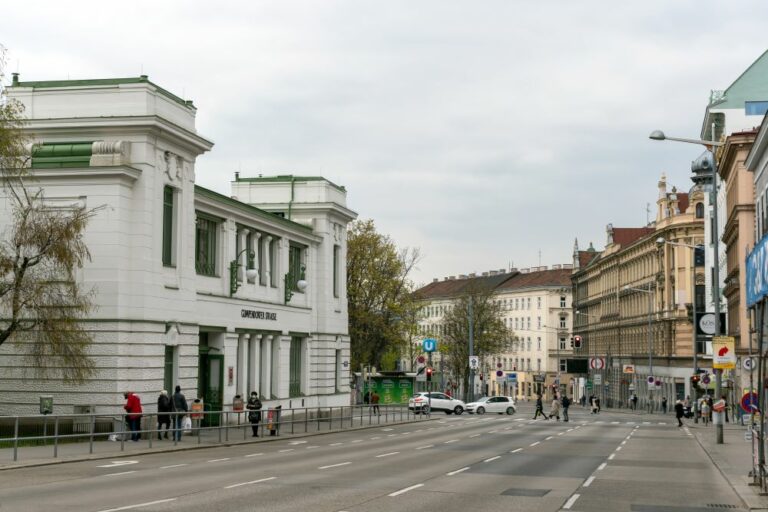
41	303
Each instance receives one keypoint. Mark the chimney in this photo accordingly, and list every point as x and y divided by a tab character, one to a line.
502	271
472	275
463	276
435	280
543	268
513	269
556	267
525	270
568	266
492	272
452	278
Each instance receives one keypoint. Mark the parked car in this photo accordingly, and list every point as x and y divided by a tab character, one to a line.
420	402
497	404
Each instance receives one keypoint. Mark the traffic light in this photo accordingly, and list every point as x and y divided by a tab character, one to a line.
577	341
695	380
698	256
429	373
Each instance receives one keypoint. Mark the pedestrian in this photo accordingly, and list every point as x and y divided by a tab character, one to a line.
367	397
133	408
634	401
555	410
663	405
597	404
679	412
163	416
583	400
179	404
254	412
539	408
566	405
593	404
704	408
375	402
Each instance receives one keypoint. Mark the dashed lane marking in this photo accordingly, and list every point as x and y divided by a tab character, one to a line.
611	456
218	460
534	444
571	501
492	458
475	435
334	465
451	441
176	465
403	491
139	505
386	454
589	481
251	482
602	466
457	471
516	450
550	437
286	450
254	454
118	474
335	444
425	447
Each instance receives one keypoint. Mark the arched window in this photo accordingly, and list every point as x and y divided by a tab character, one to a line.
699	210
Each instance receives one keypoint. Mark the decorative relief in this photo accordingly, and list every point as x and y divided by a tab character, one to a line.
110	153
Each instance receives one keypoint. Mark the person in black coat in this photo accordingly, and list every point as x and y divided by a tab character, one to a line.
254	412
163	418
679	412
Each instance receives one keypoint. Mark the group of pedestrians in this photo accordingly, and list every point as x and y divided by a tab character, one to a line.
558	403
170	409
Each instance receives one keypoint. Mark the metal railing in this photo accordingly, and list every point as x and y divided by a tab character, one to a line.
207	427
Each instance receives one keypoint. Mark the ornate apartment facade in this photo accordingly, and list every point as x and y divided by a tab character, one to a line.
642	284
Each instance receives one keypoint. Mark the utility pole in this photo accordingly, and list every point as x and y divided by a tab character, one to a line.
471	390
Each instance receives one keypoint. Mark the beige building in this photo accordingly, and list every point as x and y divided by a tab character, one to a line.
637	282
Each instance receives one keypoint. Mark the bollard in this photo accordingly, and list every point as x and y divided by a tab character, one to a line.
90	436
226	426
16	439
122	433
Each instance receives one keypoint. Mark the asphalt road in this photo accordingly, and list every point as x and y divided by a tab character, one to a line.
610	462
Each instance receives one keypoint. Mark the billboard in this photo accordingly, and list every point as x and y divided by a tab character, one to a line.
391	390
757	272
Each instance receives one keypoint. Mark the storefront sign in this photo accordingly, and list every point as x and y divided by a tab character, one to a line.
257	315
723	352
757	272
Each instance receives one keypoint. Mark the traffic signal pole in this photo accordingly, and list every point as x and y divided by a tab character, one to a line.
471	390
429	381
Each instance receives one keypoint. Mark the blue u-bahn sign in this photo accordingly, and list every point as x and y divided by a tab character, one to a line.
757	272
429	345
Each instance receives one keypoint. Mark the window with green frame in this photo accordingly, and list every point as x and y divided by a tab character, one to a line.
168	214
336	269
168	367
294	266
205	245
294	375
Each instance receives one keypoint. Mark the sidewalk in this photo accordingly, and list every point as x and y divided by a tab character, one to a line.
30	456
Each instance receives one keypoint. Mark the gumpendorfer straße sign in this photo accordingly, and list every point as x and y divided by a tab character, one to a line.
258	314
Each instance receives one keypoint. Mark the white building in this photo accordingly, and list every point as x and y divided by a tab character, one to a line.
169	258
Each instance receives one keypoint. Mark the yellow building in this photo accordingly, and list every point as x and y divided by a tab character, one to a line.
642	279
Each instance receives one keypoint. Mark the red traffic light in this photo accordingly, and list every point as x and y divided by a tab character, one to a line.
430	370
577	341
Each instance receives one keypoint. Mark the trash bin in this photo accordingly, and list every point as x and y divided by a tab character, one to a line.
273	420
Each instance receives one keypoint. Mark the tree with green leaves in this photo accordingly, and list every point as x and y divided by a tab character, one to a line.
41	249
379	293
491	336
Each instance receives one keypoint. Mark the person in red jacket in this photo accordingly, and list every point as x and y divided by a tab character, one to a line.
133	408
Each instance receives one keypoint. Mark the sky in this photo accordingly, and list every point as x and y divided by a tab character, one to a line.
487	134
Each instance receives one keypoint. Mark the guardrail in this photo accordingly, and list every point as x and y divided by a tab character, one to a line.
209	427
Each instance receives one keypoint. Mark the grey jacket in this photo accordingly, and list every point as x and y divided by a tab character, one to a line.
179	402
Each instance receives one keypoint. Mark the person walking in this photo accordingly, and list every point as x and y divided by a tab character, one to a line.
555	409
539	408
634	401
163	417
704	408
254	412
583	400
679	412
663	405
566	405
133	408
375	402
593	404
179	404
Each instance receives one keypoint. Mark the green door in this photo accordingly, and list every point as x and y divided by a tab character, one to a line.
212	387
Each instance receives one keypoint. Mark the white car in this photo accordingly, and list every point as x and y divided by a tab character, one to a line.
420	402
497	404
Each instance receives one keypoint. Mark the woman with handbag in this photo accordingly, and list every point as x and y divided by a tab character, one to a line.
254	412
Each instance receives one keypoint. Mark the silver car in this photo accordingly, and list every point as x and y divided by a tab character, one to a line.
420	402
497	404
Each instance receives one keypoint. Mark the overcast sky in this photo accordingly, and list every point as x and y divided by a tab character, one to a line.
485	133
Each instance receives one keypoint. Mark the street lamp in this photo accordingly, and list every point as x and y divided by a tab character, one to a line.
250	273
650	339
661	241
709	164
291	280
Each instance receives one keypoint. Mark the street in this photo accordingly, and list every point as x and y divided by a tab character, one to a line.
606	462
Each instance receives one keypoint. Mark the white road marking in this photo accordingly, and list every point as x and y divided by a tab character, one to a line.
118	474
375	438
312	447
475	435
492	458
391	435
550	437
406	433
403	491
294	443
116	463
614	423
589	481
457	471
357	441
335	444
386	454
451	441
492	431
623	442
334	465
571	501
569	430
534	444
561	433
602	466
387	429
611	456
129	507
176	465
251	482
424	447
618	449
254	454
516	450
646	423
286	450
218	460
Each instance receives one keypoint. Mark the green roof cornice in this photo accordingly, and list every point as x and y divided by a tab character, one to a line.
143	79
248	209
287	178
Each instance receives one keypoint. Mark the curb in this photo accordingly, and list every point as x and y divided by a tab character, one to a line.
122	455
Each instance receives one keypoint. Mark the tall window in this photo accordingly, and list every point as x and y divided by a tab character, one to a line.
699	210
168	367
562	344
538	322
563	365
538	343
538	302
168	200
294	369
529	303
562	322
339	368
294	266
205	245
336	269
538	365
273	262
562	301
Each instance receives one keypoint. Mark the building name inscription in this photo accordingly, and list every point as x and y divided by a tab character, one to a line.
258	315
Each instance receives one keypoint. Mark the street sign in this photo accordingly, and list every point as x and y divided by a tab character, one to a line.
512	378
651	380
757	272
723	352
705	379
749	402
598	379
597	363
538	378
631	387
748	364
429	345
628	368
658	383
474	362
421	359
589	384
